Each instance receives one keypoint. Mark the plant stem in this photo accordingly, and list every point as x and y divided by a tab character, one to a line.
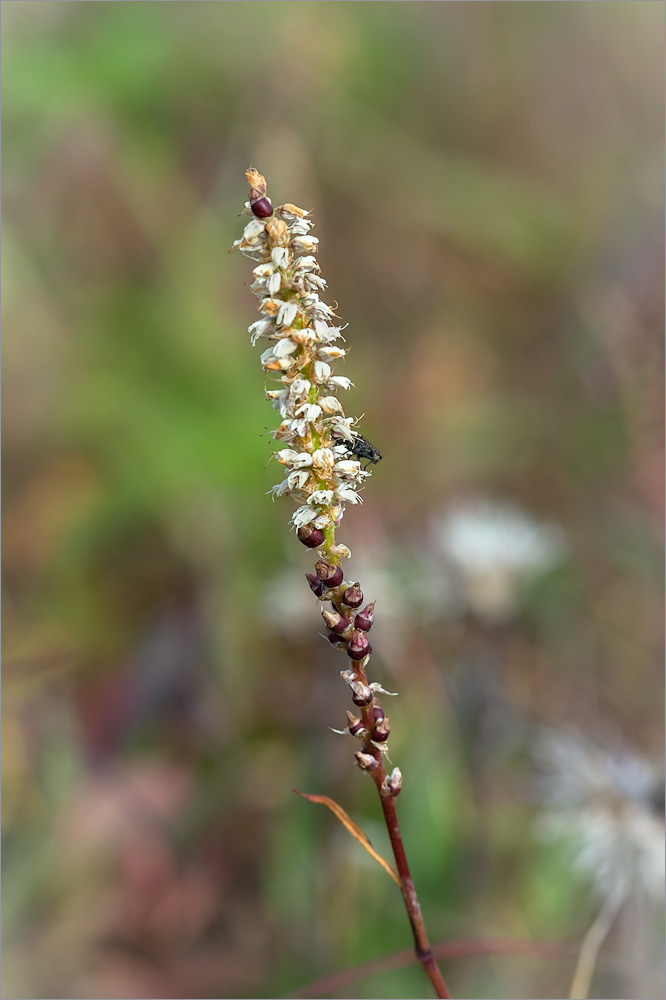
592	942
421	943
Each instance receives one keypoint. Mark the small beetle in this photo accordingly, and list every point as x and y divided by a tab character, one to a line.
362	448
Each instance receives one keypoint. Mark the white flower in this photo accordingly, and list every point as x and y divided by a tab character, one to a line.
350	495
323	458
299	387
253	231
306	264
340	381
303	515
273	283
304	244
309	411
299	459
493	548
331	353
321	371
259	329
608	804
325	332
297	480
348	468
330	404
321	497
280	256
287	313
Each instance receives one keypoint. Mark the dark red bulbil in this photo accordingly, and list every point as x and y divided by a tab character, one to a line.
353	596
260	205
331	575
310	536
316	586
358	646
364	618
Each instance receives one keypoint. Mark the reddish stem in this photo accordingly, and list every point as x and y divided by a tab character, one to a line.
421	943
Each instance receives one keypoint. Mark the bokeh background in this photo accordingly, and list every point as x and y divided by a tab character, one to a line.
486	180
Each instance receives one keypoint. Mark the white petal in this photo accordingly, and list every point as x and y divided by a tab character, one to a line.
329	353
284	347
341	381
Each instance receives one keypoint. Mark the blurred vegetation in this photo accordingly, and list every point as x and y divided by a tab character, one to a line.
487	185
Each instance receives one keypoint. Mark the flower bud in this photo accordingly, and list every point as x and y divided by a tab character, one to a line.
316	586
356	727
377	713
358	646
380	733
353	596
310	536
260	205
364	618
361	693
330	575
335	621
278	234
365	761
392	783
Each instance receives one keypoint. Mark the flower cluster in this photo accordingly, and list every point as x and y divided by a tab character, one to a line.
322	447
321	470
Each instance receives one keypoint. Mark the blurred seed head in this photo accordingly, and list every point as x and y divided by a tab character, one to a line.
493	549
609	804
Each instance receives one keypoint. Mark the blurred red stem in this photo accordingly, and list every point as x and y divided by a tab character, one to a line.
421	943
443	950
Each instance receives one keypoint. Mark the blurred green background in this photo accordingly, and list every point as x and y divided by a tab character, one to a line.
486	180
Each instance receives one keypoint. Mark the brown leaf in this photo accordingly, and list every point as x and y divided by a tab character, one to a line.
356	831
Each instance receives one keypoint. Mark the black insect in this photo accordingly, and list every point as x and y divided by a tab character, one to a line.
362	448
